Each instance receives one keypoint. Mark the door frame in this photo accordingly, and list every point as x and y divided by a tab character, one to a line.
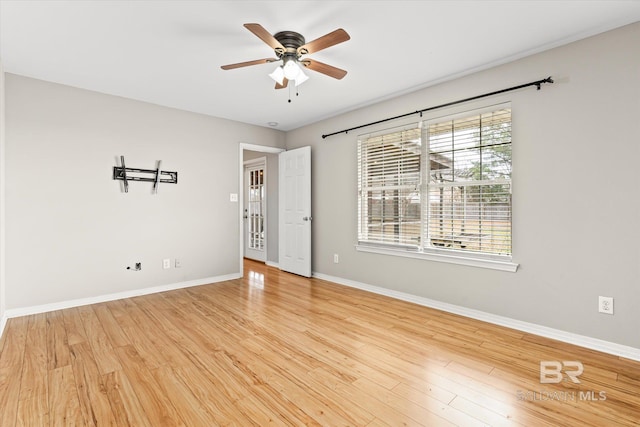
241	148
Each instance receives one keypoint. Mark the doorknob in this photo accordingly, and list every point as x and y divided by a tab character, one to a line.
306	218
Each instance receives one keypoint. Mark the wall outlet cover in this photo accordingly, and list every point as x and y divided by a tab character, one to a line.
605	305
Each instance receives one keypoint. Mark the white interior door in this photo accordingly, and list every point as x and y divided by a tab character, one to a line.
255	210
295	211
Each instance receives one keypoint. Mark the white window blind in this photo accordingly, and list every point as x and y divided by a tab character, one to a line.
469	184
441	187
389	187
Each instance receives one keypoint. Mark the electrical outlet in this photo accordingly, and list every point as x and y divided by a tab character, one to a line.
336	258
178	263
166	263
605	305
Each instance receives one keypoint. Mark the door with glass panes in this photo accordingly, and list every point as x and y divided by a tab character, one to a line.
255	206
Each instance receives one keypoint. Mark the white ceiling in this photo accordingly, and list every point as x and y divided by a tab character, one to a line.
170	52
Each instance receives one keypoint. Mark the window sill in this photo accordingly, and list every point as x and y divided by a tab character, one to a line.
460	259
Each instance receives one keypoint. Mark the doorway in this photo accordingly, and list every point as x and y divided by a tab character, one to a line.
249	152
255	209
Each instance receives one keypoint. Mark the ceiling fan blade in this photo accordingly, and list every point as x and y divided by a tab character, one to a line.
283	85
320	67
265	36
328	40
246	64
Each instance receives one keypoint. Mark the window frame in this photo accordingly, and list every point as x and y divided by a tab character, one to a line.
447	255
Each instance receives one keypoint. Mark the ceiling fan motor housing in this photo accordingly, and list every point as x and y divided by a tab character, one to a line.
291	41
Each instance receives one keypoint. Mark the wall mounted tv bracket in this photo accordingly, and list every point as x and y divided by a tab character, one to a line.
126	174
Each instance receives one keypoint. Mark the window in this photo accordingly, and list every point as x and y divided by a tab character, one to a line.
389	172
439	187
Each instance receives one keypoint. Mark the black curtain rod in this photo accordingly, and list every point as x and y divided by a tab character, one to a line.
537	83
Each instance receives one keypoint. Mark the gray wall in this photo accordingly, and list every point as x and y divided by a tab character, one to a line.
272	202
576	233
71	231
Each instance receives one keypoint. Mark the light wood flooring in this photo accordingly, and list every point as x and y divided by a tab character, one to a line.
278	349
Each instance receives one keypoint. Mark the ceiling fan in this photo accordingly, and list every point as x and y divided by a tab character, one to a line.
290	48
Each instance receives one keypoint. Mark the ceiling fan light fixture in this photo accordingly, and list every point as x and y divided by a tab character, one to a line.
302	77
278	75
291	69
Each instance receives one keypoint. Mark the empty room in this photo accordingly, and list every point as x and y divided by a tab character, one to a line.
325	213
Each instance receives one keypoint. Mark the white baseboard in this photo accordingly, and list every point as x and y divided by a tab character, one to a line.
564	336
3	322
25	311
272	264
